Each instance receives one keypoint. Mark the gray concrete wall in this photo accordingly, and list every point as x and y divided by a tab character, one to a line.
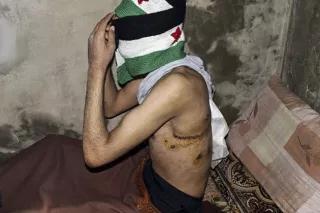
301	70
43	66
242	42
43	60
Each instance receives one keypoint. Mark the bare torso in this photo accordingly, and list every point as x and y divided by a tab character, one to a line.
181	149
175	117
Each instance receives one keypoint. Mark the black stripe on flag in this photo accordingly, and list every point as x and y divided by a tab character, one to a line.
136	27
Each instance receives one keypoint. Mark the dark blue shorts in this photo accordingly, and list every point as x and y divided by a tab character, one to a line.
166	197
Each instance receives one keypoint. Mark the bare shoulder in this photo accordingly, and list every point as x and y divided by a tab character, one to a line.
183	82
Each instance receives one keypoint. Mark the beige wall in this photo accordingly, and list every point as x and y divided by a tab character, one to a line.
43	62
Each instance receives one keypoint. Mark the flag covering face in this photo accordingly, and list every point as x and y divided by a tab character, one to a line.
150	35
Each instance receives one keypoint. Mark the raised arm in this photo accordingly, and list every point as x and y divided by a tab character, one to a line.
118	101
165	102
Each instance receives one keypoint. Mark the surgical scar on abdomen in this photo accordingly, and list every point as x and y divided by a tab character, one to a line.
183	141
193	137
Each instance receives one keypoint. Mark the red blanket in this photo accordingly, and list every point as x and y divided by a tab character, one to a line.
51	176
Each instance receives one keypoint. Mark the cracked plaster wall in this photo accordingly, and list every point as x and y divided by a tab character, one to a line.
43	60
301	70
242	42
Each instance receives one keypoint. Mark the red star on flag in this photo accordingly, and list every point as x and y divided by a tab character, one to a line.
141	1
176	35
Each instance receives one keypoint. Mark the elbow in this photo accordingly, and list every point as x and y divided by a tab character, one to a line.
91	155
94	157
92	163
93	160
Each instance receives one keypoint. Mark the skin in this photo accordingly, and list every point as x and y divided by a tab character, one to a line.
175	118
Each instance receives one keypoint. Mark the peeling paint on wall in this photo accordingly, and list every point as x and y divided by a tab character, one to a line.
242	42
43	58
201	4
301	69
43	65
7	45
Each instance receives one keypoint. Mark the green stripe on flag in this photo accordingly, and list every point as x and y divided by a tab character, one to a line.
134	67
123	76
128	8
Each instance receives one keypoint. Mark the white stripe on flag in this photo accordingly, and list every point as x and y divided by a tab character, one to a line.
147	45
153	6
119	59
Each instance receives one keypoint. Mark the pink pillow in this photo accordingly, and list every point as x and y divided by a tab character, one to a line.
278	140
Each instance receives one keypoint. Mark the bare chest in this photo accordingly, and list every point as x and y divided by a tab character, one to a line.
182	160
176	151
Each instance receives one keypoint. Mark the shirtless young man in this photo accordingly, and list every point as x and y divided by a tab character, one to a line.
175	117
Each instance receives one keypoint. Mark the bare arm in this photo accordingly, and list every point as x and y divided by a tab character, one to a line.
101	146
165	102
118	101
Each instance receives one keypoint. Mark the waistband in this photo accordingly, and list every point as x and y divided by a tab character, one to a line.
166	197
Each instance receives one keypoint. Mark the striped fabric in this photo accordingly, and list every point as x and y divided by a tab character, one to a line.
278	140
136	7
144	64
128	8
143	55
145	46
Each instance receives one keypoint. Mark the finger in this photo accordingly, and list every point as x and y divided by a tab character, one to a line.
111	36
98	25
94	31
108	26
96	28
106	35
104	22
91	36
107	30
